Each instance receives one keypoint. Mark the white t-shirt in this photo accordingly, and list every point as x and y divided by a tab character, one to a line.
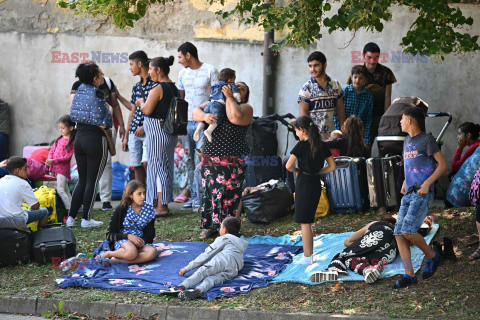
197	85
13	192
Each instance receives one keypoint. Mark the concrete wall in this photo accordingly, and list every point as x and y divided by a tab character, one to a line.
36	79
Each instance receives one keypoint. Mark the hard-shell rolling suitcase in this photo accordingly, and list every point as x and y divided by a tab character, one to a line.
53	242
16	245
385	178
346	186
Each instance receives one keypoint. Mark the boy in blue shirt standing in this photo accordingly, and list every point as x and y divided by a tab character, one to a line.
420	152
359	102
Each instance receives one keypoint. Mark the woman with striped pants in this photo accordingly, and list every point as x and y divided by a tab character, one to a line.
160	145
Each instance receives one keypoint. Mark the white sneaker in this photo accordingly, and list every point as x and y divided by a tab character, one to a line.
91	223
325	275
70	222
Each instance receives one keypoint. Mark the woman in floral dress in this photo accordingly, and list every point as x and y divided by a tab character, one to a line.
223	160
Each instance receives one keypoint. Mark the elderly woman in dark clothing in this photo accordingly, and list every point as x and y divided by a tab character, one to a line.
223	169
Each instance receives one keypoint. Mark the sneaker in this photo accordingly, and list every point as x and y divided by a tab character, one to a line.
174	290
195	206
431	266
325	275
91	223
188	205
190	294
404	282
70	222
372	273
107	206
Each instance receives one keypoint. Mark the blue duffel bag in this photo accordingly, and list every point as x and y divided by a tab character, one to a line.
120	179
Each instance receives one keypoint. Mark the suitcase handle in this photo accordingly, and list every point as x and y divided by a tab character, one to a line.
342	161
51	225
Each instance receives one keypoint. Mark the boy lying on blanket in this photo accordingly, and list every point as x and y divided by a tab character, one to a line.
220	262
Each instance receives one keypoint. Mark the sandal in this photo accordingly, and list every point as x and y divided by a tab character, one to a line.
163	214
207	233
475	255
181	199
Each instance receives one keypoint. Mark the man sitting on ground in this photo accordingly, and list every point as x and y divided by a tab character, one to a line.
14	190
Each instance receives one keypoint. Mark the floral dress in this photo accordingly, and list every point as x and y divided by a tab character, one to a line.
223	172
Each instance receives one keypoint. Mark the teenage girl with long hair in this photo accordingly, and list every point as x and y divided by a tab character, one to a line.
311	154
131	229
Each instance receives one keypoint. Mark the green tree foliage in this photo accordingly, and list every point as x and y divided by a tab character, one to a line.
437	30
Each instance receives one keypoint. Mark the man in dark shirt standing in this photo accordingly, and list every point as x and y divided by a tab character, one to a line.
379	80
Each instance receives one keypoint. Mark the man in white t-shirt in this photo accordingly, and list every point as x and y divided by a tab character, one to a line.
14	190
194	84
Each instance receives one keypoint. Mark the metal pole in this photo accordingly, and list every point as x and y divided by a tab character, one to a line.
268	74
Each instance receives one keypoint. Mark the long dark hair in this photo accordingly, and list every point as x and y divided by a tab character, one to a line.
131	187
314	139
352	130
470	127
66	120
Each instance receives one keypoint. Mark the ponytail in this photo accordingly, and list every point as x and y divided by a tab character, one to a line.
314	138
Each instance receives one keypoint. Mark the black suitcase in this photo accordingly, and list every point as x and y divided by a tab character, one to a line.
53	242
16	245
385	178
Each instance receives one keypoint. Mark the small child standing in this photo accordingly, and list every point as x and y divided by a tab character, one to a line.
220	262
216	103
311	153
131	229
420	152
14	190
59	158
358	102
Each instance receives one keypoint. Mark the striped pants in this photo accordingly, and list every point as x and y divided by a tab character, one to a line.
160	150
91	152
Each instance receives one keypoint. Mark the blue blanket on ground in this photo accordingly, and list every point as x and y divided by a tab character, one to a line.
262	263
326	246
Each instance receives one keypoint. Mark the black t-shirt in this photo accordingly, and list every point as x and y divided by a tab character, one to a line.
107	92
305	161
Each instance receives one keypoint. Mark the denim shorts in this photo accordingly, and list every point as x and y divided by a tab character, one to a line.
412	212
36	215
137	146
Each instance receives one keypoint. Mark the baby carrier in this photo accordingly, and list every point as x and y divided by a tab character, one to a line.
390	136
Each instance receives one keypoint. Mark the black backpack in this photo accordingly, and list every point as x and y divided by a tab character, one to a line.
175	123
262	136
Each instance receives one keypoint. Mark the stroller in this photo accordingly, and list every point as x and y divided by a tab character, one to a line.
264	163
390	136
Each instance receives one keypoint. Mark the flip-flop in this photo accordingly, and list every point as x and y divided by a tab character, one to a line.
181	199
163	215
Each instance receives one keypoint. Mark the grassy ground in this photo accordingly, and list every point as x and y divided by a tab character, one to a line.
453	293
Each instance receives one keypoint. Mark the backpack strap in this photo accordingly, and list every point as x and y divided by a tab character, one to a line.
108	82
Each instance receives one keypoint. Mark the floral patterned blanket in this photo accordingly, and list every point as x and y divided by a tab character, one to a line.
263	262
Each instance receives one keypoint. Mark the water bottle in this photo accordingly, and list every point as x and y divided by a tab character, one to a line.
72	262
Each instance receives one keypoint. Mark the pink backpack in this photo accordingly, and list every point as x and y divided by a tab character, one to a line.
474	189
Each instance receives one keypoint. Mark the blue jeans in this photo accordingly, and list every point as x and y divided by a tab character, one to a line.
37	215
412	212
217	109
190	146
